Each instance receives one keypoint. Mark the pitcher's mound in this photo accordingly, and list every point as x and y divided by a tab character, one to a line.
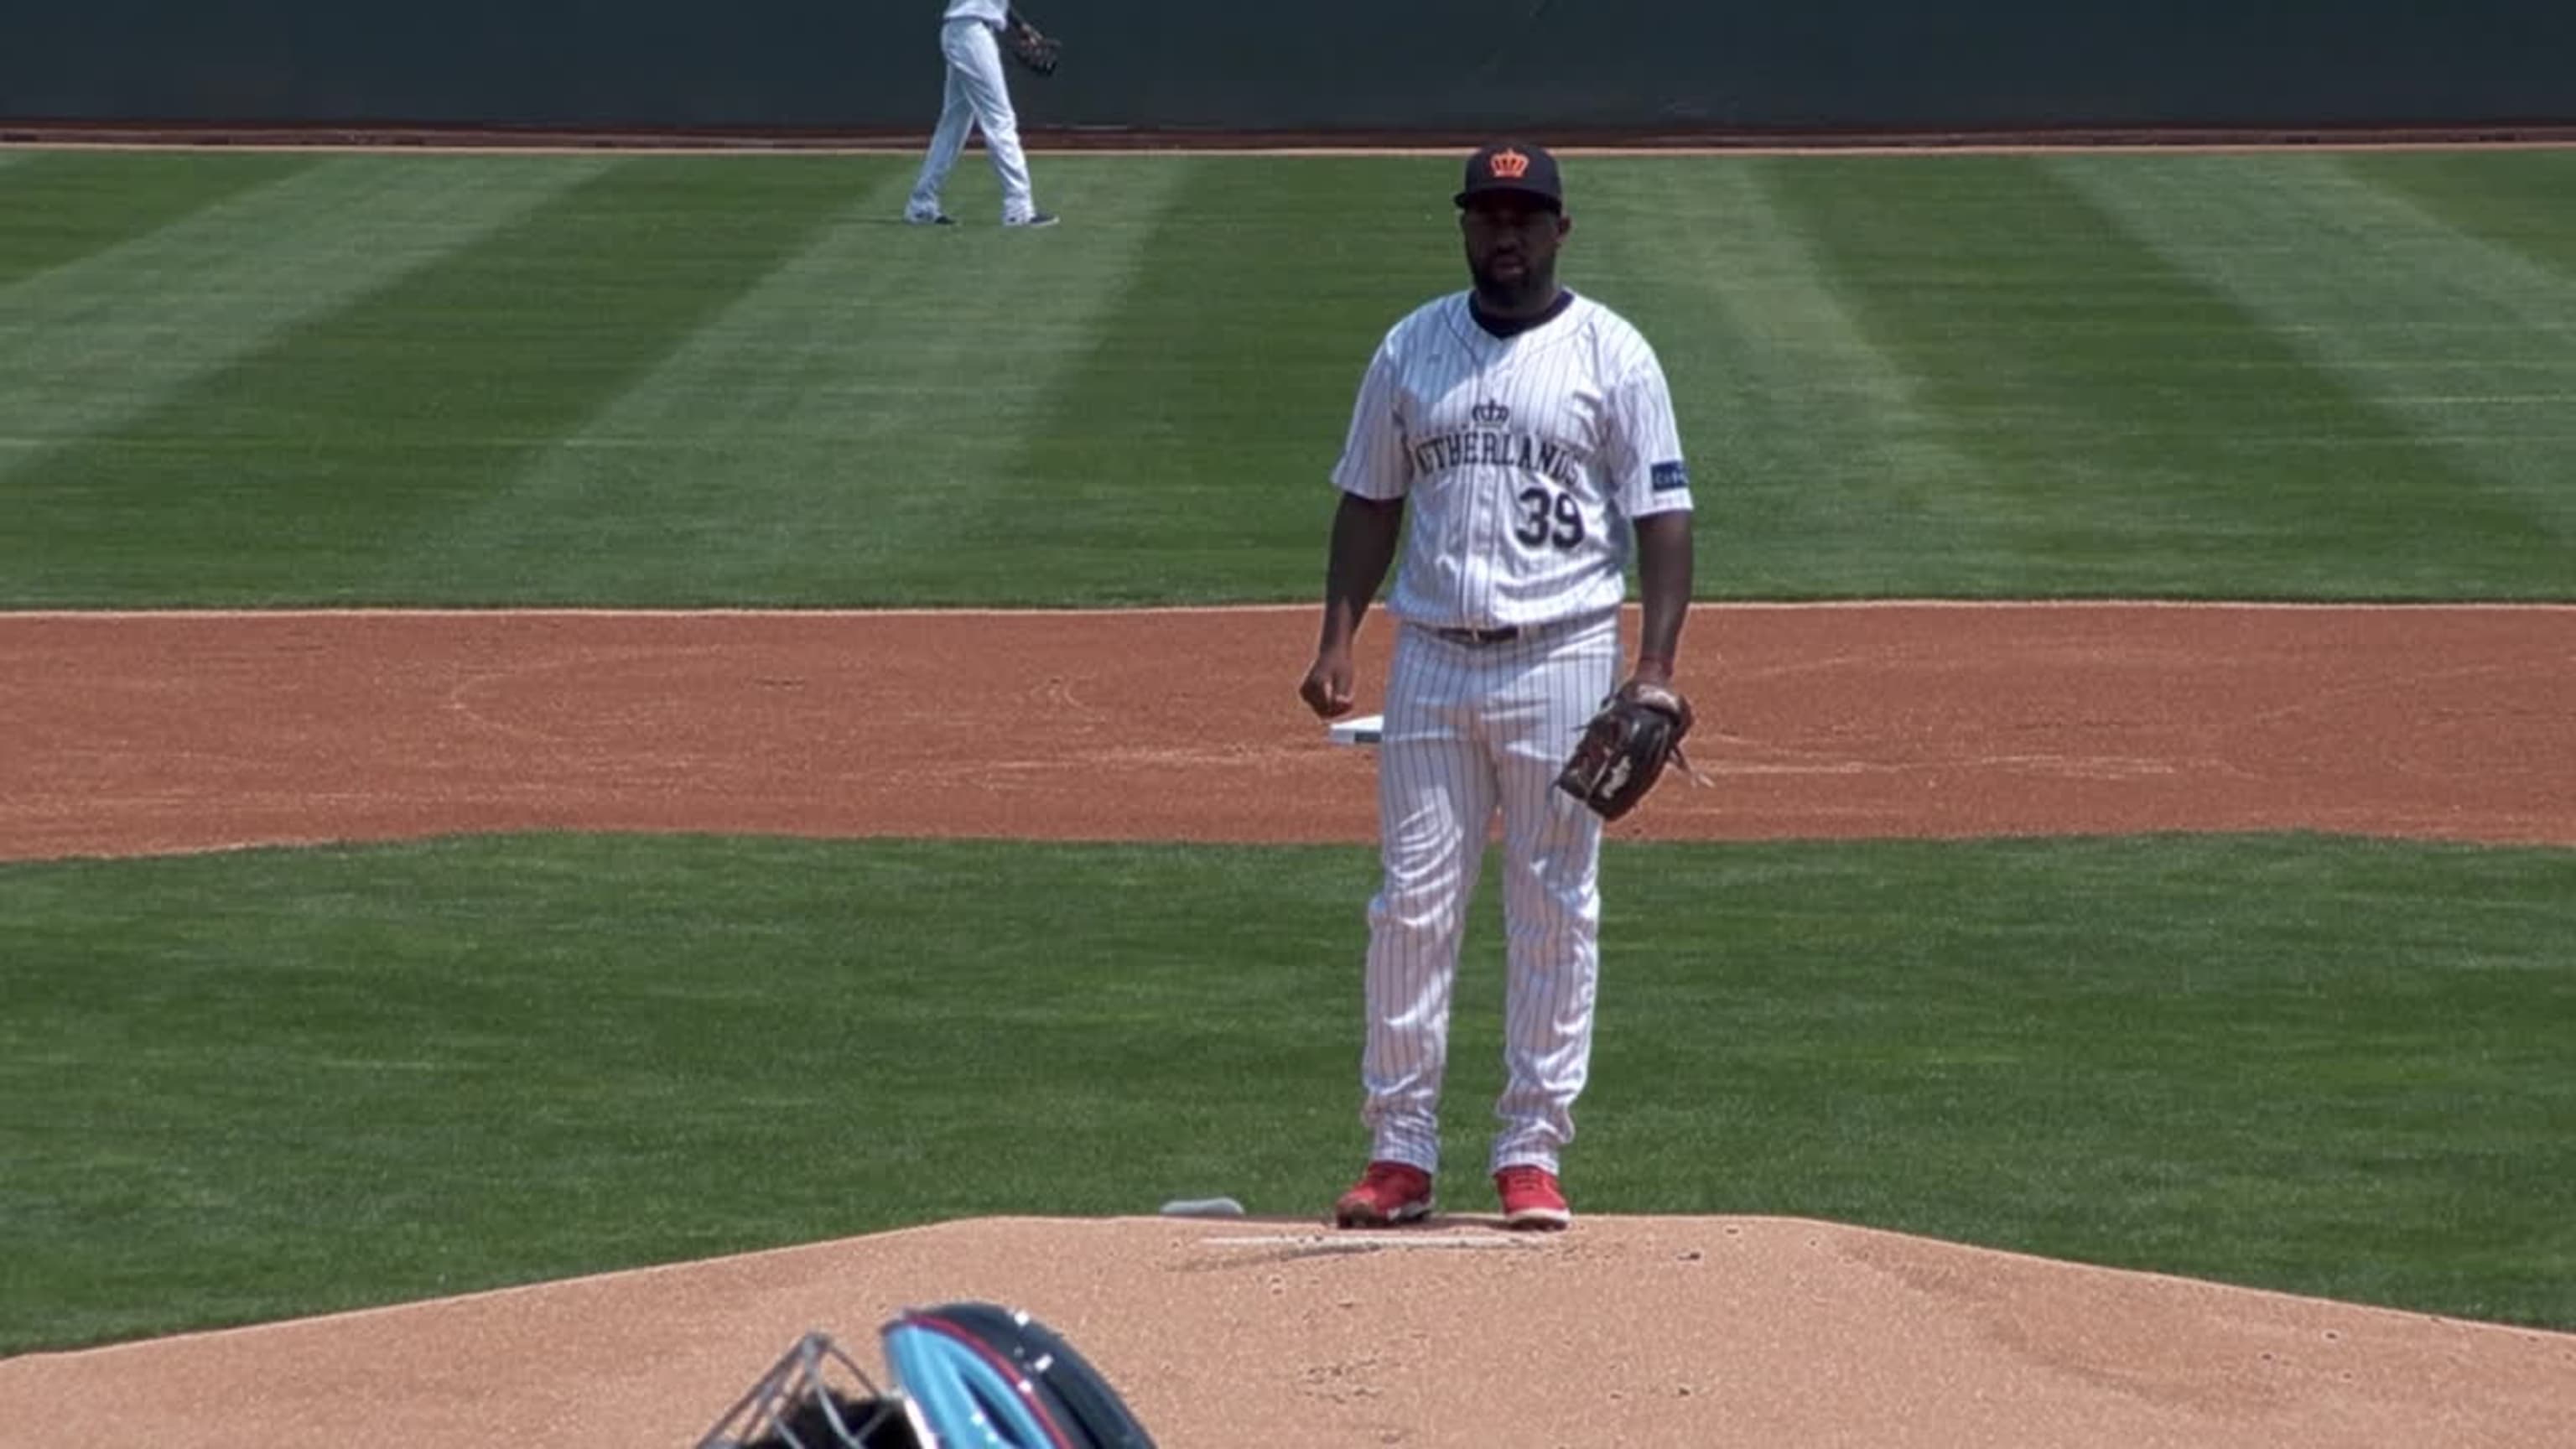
1251	1332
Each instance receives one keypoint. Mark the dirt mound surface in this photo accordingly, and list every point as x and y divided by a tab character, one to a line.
1245	1332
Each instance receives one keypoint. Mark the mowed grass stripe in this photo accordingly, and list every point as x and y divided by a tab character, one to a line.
1070	468
372	425
1186	460
2105	391
96	345
60	206
1784	398
819	439
2467	345
2520	202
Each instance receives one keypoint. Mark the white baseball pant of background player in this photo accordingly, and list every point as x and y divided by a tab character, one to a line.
1521	458
978	95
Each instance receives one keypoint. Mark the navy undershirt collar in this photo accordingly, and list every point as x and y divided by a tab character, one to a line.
1507	327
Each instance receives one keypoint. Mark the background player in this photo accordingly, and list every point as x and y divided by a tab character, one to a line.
1532	431
977	95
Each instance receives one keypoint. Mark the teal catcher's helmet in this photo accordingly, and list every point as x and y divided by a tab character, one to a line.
980	1376
963	1376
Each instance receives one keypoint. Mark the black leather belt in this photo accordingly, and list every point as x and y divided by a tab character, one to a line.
1480	636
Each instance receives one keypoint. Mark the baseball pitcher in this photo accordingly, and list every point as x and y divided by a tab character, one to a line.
1531	434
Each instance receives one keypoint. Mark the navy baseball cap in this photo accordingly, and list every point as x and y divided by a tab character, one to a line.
1513	166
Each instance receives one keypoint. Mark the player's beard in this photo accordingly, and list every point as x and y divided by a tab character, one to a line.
1534	288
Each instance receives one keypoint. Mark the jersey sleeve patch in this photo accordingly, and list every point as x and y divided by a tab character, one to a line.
1668	477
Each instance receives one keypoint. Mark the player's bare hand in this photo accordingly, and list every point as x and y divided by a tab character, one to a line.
1327	686
1657	672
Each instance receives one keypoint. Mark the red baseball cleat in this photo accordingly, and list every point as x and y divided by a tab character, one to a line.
1531	1199
1388	1193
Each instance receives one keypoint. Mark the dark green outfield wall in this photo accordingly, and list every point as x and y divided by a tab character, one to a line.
1321	65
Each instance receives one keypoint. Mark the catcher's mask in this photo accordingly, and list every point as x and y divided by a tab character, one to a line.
966	1376
799	1405
977	1374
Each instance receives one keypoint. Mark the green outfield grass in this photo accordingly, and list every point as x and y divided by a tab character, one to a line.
272	379
276	1082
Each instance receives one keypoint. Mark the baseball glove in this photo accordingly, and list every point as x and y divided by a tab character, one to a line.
1031	49
1625	747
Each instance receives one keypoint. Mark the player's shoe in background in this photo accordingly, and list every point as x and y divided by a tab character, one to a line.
929	218
1532	1199
1388	1193
1035	218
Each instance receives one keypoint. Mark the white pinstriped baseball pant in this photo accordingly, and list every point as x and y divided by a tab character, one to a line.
1473	730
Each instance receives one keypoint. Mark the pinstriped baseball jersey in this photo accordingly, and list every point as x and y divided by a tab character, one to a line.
995	13
1522	459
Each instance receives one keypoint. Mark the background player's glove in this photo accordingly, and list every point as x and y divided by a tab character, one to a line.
1625	747
1035	51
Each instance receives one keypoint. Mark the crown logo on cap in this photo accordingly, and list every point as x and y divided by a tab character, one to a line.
1507	165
